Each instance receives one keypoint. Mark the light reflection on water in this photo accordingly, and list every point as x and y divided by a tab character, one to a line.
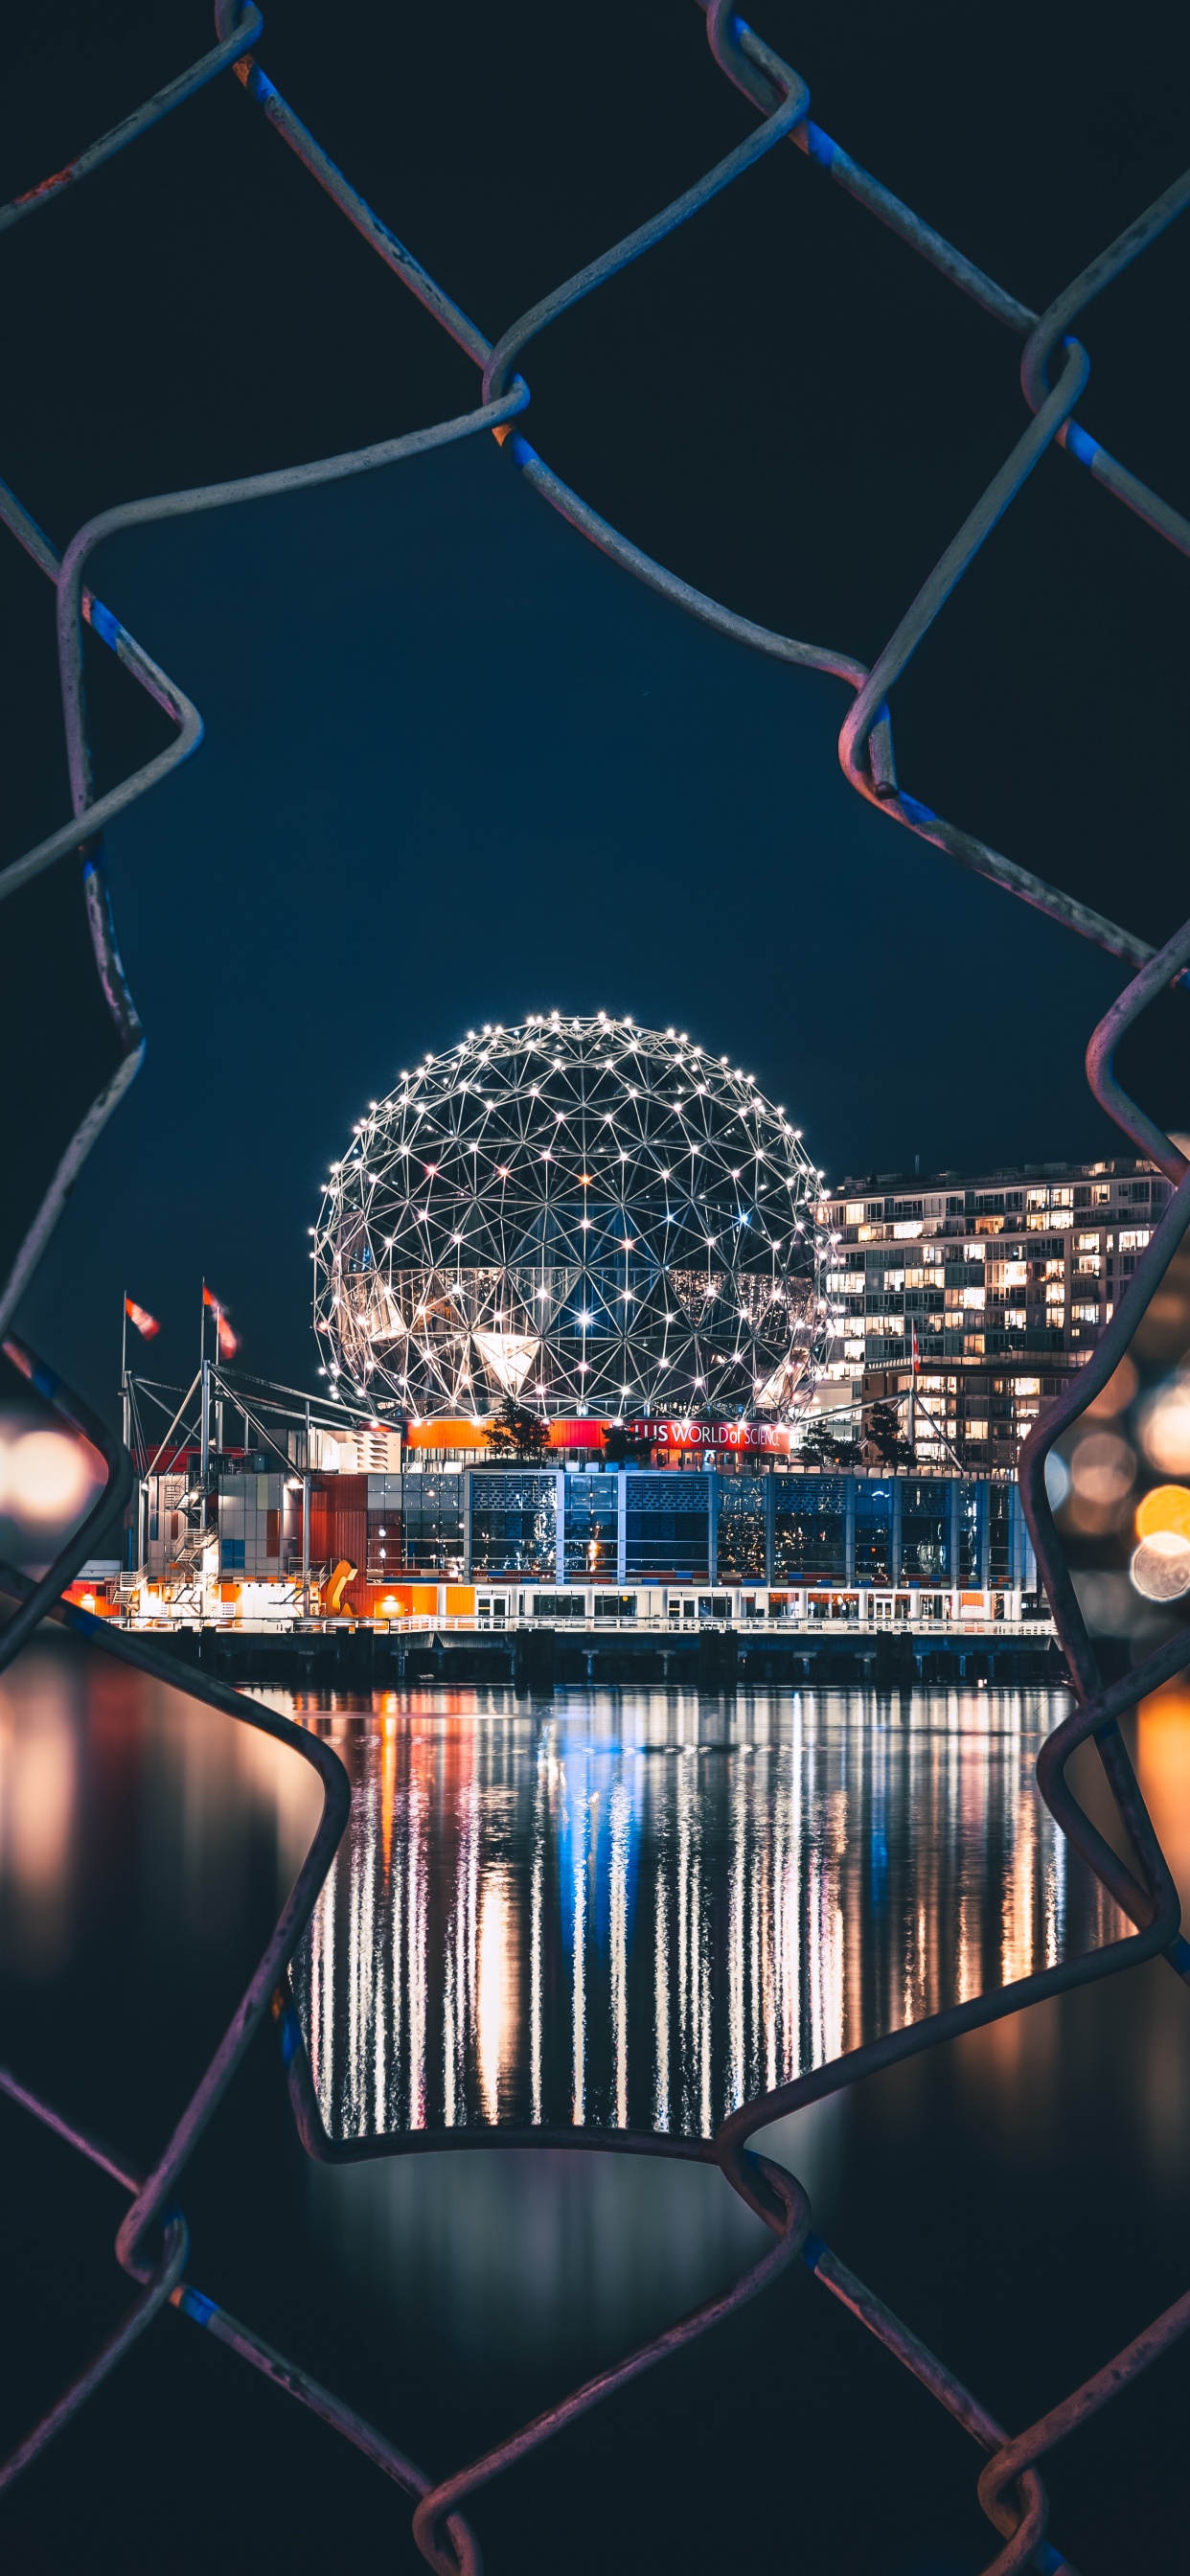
117	1794
636	1909
754	1884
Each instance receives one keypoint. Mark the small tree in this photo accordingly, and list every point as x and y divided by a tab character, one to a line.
615	1444
883	1433
823	1448
514	1432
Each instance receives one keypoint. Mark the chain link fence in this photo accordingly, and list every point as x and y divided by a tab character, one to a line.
152	2243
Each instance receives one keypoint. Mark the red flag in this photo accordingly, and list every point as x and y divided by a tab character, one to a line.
916	1361
229	1342
146	1324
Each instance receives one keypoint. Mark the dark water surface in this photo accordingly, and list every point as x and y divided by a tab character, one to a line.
621	1908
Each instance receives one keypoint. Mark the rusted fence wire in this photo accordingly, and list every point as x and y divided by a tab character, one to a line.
152	2242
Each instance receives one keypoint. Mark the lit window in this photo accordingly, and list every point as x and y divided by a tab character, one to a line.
1135	1242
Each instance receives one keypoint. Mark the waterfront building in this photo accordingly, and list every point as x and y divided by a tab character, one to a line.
620	1542
750	1394
1005	1279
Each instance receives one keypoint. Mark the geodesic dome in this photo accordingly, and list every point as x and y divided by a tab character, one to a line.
592	1217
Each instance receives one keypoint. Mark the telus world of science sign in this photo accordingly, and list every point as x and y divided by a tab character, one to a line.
711	1435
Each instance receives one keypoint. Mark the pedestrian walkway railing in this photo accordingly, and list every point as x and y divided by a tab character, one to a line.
152	2242
422	1623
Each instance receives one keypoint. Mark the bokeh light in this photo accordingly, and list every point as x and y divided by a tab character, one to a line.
48	1480
1102	1468
1161	1566
1166	1508
43	1476
1166	1430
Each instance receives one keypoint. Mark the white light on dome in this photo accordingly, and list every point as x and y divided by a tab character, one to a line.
446	1278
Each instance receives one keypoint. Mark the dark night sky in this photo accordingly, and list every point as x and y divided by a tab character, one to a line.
457	766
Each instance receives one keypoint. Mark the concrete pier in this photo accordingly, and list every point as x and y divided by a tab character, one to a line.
537	1658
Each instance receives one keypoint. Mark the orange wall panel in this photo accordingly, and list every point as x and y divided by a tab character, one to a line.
453	1432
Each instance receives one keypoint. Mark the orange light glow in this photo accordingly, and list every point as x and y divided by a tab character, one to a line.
1163	1761
1166	1508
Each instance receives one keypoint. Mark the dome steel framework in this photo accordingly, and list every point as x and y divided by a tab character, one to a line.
594	1218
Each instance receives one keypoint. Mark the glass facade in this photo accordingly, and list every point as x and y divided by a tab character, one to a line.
592	1516
667	1526
873	1532
924	1538
1000	1551
969	1568
514	1523
810	1537
740	1557
415	1527
656	1525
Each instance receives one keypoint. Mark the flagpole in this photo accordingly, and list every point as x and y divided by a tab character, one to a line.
204	1454
132	1527
125	1406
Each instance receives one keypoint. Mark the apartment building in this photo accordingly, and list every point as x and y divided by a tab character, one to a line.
1002	1282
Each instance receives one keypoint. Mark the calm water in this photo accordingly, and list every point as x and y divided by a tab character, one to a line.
637	1909
611	1909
